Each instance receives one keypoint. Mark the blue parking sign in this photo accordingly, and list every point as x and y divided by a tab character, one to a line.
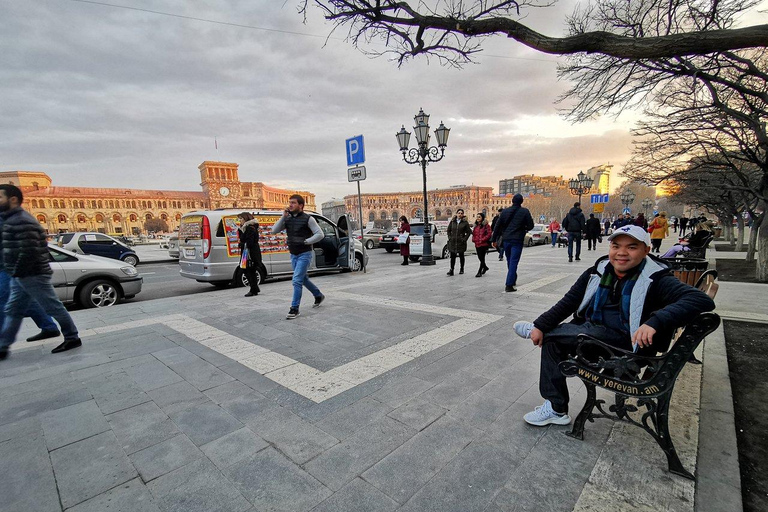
355	151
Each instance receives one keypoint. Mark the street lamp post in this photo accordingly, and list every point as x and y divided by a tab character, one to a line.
424	154
580	185
647	203
627	198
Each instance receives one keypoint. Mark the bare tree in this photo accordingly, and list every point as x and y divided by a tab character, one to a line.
453	30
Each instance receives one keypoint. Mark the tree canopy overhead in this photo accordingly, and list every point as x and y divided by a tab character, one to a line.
452	30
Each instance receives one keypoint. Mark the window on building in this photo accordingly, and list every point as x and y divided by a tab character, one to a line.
62	218
82	204
163	216
99	217
133	217
395	215
371	216
99	205
41	219
116	218
148	216
149	204
81	219
383	215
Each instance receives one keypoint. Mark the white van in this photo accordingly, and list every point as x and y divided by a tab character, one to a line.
209	253
439	231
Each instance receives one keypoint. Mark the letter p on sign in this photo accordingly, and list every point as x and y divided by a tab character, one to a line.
355	151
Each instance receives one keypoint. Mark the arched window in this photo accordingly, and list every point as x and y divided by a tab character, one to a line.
82	204
383	215
99	217
41	219
99	205
62	218
149	204
417	213
133	204
178	217
148	216
133	217
371	216
449	213
438	213
81	219
55	203
116	218
163	216
395	215
33	203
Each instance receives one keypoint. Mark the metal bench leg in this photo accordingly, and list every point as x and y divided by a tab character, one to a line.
665	441
578	424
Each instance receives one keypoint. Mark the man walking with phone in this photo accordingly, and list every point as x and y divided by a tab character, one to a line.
303	231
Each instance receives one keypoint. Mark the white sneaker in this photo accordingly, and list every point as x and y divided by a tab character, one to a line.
544	415
523	329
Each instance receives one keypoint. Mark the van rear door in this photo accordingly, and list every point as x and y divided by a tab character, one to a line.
191	250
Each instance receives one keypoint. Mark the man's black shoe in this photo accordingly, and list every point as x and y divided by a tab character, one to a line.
67	345
318	300
570	260
508	289
449	273
3	353
44	335
578	259
461	271
292	313
251	294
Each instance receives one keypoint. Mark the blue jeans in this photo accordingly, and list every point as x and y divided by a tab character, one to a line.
34	311
25	290
574	238
554	239
300	264
513	249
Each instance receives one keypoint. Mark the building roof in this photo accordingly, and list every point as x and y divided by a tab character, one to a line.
122	193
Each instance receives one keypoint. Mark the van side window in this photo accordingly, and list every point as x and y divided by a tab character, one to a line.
327	228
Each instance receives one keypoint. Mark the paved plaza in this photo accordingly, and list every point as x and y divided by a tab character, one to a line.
404	391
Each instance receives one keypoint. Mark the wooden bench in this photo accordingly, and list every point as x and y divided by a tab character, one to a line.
698	251
647	380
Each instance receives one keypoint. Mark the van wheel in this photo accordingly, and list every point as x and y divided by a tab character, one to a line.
358	263
99	294
414	258
445	252
131	259
221	284
241	280
369	244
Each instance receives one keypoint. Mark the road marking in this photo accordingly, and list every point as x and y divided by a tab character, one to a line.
309	382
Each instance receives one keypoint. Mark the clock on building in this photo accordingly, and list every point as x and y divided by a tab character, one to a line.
224	191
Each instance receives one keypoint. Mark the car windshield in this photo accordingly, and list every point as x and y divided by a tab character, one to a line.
538	228
65	238
418	229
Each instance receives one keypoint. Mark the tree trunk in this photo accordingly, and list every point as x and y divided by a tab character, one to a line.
761	271
740	237
751	248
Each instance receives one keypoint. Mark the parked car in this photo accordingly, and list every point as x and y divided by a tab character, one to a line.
173	246
209	253
97	244
439	242
92	281
538	235
388	241
372	237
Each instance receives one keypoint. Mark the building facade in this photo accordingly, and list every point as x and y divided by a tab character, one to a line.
602	176
125	211
385	208
334	209
527	184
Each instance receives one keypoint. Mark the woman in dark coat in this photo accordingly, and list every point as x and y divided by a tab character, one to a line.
481	236
458	234
405	250
248	234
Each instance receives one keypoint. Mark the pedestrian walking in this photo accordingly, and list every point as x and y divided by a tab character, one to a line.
606	226
683	225
593	232
496	243
514	223
659	230
458	234
675	223
641	221
554	230
248	235
26	259
405	249
302	231
481	237
574	223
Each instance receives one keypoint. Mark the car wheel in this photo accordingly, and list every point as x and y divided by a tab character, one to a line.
445	252
389	249
221	284
414	258
131	259
546	241
99	294
369	244
358	263
530	242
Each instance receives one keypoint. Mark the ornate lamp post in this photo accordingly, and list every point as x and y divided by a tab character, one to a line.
580	185
647	203
422	154
627	198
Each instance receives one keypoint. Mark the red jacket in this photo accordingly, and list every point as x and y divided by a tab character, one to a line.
481	235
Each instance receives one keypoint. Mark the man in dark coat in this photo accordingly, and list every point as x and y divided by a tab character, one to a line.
26	259
593	232
459	232
248	238
514	223
575	224
628	300
500	247
683	225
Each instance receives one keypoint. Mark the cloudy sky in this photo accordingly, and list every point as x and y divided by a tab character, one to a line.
102	95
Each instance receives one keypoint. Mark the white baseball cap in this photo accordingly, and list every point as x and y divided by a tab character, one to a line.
636	232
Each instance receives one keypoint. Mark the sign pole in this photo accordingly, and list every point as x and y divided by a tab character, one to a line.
362	233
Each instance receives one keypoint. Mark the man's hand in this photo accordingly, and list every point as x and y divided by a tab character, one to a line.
643	336
494	245
537	336
286	212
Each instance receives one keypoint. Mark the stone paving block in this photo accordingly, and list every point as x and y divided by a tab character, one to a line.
454	389
273	483
152	375
399	391
417	413
197	487
141	426
27	483
131	496
204	423
450	364
347	421
164	457
115	391
73	423
404	471
26	405
467	484
233	447
84	374
89	467
357	496
292	435
354	455
510	433
247	407
177	397
228	391
175	356
25	427
201	374
479	411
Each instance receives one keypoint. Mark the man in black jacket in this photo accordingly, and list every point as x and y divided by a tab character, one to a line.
26	258
514	222
574	223
593	232
627	299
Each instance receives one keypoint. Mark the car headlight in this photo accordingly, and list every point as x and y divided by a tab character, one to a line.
129	271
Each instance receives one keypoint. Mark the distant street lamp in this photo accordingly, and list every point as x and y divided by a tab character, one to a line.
422	155
580	185
627	198
647	203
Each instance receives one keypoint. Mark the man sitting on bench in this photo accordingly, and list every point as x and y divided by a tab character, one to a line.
627	299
